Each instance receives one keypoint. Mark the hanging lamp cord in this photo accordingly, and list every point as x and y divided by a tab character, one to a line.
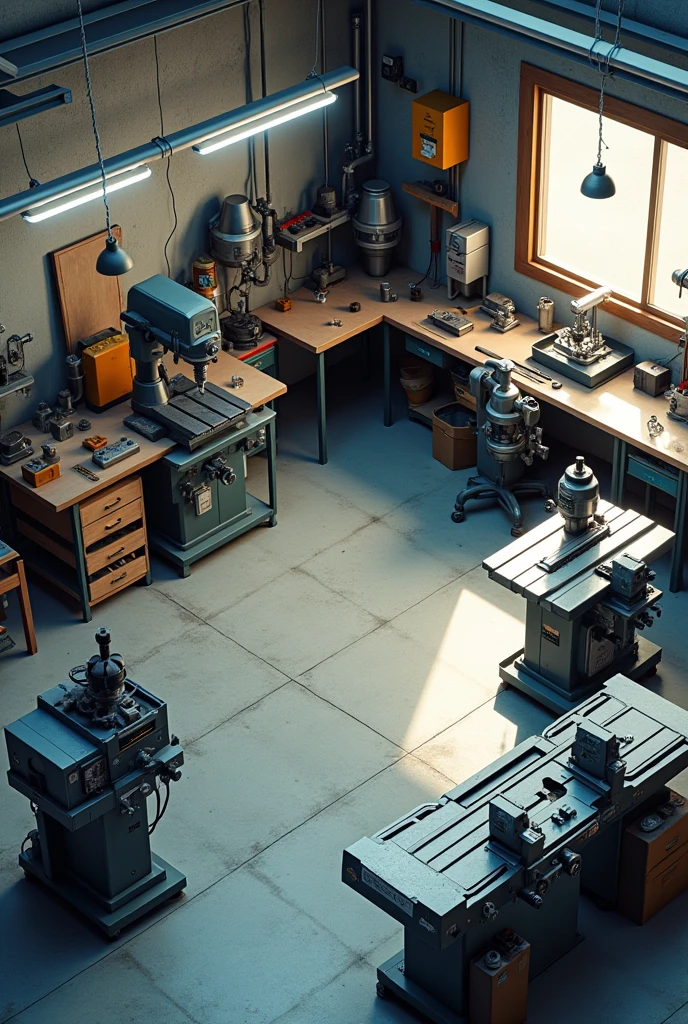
603	64
87	74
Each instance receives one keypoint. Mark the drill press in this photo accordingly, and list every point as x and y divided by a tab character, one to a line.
87	758
589	593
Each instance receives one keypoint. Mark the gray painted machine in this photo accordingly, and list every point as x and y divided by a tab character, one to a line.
87	758
511	847
589	592
508	440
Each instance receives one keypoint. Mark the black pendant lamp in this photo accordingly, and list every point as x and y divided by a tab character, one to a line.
112	261
598	184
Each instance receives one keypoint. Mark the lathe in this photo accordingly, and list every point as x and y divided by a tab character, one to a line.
589	593
87	758
508	850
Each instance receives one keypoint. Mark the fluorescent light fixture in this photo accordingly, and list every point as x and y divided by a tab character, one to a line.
86	194
261	124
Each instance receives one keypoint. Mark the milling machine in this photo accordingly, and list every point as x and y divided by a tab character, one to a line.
581	352
589	591
508	440
510	848
87	758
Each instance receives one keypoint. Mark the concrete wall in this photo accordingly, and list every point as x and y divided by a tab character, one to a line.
202	72
491	69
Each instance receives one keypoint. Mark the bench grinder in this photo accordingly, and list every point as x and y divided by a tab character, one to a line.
508	440
87	758
589	594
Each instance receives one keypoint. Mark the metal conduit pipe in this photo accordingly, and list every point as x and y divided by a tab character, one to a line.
358	133
349	169
623	62
175	142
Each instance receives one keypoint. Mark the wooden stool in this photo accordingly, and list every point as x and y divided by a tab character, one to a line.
13	577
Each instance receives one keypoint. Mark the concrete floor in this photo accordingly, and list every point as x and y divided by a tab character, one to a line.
324	677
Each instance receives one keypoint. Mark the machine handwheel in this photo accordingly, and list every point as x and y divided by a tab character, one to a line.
457	516
382	990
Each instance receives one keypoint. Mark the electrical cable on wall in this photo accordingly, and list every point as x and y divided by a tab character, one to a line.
33	182
160	141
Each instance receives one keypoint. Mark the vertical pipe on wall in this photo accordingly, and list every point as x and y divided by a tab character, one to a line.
358	132
369	75
264	87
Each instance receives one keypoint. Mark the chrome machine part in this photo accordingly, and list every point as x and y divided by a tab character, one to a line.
578	496
377	228
582	342
235	233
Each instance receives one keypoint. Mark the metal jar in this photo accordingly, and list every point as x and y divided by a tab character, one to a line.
376	227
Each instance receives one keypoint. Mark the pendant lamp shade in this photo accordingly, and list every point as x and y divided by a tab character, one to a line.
598	184
113	261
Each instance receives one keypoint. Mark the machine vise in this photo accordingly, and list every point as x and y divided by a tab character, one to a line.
87	758
589	593
508	850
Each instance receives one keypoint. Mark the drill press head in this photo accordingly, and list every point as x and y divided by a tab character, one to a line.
105	691
578	496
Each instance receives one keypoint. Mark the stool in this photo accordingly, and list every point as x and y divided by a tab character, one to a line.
662	477
13	577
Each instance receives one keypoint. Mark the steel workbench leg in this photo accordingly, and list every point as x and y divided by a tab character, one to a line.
272	470
322	411
365	355
80	559
387	354
676	578
618	471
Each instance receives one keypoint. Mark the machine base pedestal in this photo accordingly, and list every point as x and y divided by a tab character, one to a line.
516	674
183	558
170	885
391	976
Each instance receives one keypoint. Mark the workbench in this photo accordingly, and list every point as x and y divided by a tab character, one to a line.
614	407
52	526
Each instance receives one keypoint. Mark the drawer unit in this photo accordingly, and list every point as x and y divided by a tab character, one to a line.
113	529
429	352
654	861
664	477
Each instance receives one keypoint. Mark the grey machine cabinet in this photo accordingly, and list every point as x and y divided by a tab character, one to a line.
511	846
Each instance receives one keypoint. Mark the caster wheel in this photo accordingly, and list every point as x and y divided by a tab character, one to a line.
652	671
457	517
382	990
177	896
517	531
113	938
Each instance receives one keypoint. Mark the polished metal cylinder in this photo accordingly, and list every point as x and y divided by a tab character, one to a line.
545	308
578	496
376	227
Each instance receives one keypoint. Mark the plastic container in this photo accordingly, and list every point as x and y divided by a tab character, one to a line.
417	383
454	438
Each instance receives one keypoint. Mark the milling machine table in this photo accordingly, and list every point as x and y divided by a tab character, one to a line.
557	599
455	872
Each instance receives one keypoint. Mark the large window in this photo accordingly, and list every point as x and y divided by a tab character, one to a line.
632	241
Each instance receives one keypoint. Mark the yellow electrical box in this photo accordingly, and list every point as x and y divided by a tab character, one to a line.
107	369
440	129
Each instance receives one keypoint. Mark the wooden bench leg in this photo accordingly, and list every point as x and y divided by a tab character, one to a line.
25	608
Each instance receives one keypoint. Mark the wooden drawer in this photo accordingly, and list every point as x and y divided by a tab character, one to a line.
106	503
464	396
118	518
117	548
118	579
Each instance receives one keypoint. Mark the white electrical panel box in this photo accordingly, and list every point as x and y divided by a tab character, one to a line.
467	256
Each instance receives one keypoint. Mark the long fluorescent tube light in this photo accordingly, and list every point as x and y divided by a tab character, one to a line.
261	124
85	195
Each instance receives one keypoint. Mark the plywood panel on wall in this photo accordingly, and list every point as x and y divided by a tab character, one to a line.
89	302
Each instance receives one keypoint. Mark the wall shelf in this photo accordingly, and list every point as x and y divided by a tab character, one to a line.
421	191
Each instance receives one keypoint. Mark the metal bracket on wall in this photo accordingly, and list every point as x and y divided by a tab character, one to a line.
54	46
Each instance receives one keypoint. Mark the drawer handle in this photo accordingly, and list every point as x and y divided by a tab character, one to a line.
111	526
116	579
112	504
672	843
115	553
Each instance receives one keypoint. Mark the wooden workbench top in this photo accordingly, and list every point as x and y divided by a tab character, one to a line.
615	406
71	487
